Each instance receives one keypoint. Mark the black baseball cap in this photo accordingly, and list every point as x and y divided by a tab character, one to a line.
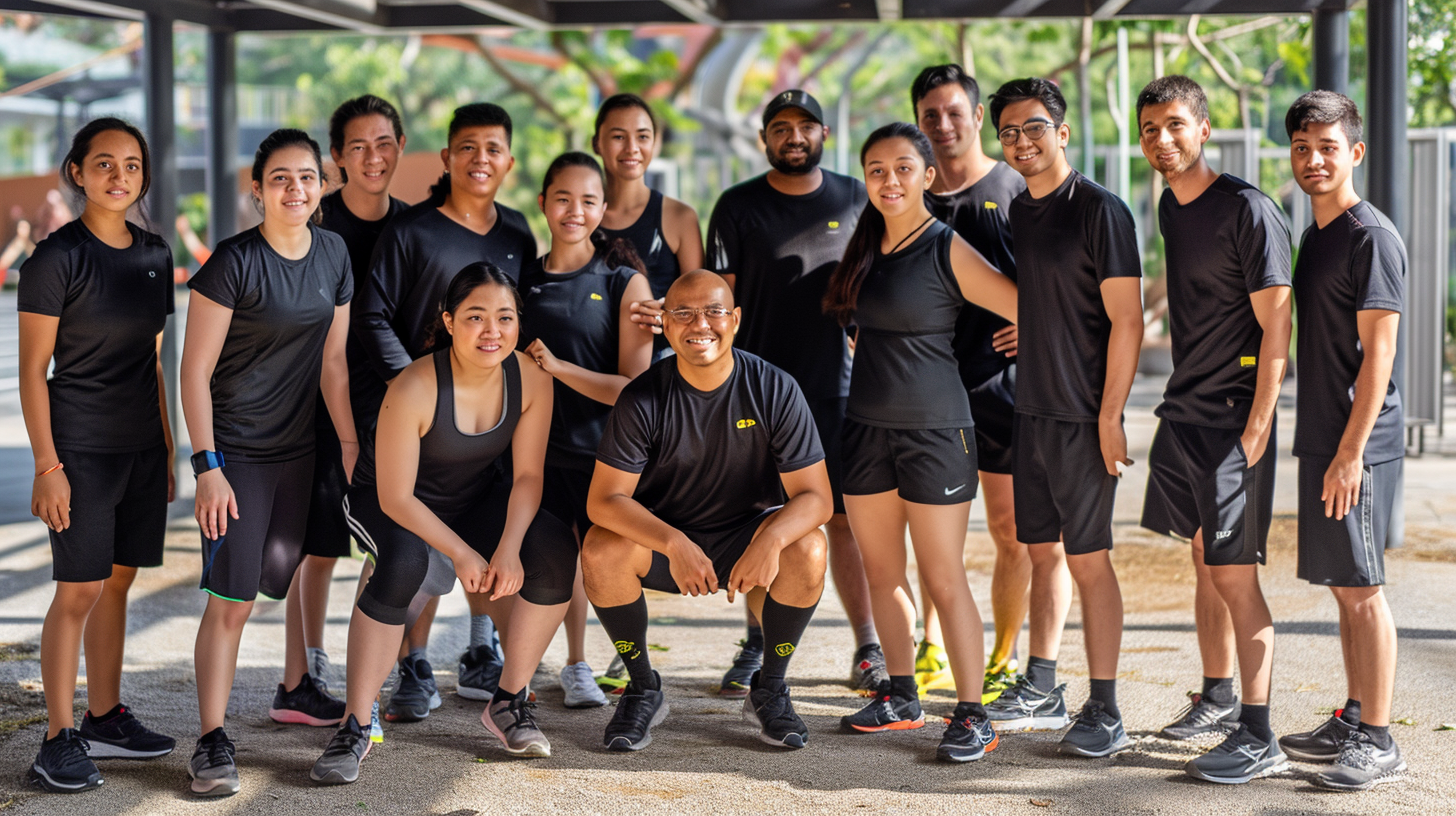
793	99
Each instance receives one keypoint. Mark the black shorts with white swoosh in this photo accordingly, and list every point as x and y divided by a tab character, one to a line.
926	466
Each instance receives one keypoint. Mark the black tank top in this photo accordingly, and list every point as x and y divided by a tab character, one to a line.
457	469
904	359
650	241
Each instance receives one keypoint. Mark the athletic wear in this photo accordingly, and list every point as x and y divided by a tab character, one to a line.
1320	745
993	408
1349	551
118	512
305	704
1362	765
1024	707
783	627
63	766
1201	479
886	712
746	663
867	670
262	547
416	695
579	689
1201	716
1222	247
828	416
1062	489
563	495
638	710
1094	733
212	767
112	304
479	671
933	466
1357	262
1067	244
723	549
118	733
326	534
710	461
1240	758
967	739
513	722
266	381
359	235
782	249
773	712
648	238
339	764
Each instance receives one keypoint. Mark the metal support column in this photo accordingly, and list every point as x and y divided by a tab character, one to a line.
159	89
1332	51
222	134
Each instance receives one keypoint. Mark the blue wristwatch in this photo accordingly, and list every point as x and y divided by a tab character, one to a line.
203	461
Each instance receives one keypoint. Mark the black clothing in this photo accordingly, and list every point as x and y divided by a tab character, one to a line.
327	533
934	466
993	407
828	416
782	249
906	313
647	237
710	460
1223	246
578	316
359	235
118	513
1348	552
266	382
1062	491
1357	262
262	547
112	304
1067	244
723	548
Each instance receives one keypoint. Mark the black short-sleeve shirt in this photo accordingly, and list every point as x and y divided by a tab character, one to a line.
710	461
981	215
782	249
1226	244
1355	263
112	304
1067	243
265	384
577	315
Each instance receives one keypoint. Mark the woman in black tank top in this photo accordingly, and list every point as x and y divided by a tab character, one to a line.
435	477
908	456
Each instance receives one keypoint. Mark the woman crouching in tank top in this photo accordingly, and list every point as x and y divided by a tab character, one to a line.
435	477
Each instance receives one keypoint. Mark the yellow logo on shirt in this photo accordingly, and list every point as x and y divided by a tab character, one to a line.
834	225
1248	362
990	205
595	296
746	423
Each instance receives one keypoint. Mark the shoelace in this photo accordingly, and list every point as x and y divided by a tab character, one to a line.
75	748
1355	754
524	718
1088	717
220	752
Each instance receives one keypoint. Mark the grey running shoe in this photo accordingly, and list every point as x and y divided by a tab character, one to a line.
121	735
967	739
479	673
885	712
868	670
213	771
1320	745
638	710
1238	759
1024	707
1094	733
306	704
736	680
1202	716
773	712
416	695
580	688
339	764
62	765
514	724
1362	765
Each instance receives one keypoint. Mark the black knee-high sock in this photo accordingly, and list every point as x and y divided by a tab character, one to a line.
783	626
626	625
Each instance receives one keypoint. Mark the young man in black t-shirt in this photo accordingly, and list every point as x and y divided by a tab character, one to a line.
776	238
1081	324
1212	459
710	476
1349	433
972	192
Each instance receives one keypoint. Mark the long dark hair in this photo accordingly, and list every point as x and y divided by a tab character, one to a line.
466	281
290	137
81	147
842	295
614	252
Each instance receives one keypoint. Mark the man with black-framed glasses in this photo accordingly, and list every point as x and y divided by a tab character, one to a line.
710	476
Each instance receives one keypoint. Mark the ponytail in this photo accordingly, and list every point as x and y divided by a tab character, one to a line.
842	294
617	252
439	191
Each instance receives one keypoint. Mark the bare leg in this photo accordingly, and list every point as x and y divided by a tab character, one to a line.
879	523
1101	611
1374	640
60	649
1051	598
928	612
1211	618
315	577
216	657
295	656
105	640
371	656
1347	651
849	579
526	630
1253	628
576	622
938	535
1011	578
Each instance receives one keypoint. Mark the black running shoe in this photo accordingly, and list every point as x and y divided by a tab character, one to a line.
737	679
967	739
1095	733
1024	707
62	765
638	710
123	736
1202	716
773	712
885	712
306	704
212	767
1320	745
868	670
1362	765
416	695
1240	758
479	673
340	762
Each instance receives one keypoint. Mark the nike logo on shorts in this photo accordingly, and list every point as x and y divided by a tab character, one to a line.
952	492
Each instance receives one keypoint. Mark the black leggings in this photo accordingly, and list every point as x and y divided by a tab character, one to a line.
548	552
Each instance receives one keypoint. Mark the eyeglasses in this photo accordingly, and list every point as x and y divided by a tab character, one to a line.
1034	130
713	313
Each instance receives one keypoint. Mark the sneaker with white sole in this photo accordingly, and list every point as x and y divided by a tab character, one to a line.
513	722
580	688
1024	707
340	762
213	769
1095	733
118	734
1241	757
1362	765
62	766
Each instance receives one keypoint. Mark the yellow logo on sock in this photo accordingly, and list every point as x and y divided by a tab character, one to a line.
624	646
784	649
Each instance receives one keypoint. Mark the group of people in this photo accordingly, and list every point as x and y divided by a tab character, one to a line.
838	365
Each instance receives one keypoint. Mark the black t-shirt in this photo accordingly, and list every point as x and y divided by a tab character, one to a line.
1067	243
1224	245
418	255
112	303
906	313
1356	262
783	248
710	460
980	214
576	314
265	385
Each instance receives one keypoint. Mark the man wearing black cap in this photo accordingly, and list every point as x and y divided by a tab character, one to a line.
776	238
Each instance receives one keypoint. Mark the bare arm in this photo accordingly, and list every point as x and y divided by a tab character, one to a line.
810	505
980	282
334	383
1378	331
528	462
684	234
609	503
207	328
166	425
634	353
1272	310
1123	300
50	497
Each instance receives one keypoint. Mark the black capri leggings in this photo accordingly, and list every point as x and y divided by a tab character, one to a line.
548	553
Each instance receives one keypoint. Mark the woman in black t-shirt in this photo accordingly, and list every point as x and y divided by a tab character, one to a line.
265	332
908	458
577	327
95	296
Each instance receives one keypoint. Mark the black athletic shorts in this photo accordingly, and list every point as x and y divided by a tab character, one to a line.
1201	479
264	544
926	466
828	416
1062	491
403	561
724	549
563	495
1349	552
993	409
118	513
327	535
